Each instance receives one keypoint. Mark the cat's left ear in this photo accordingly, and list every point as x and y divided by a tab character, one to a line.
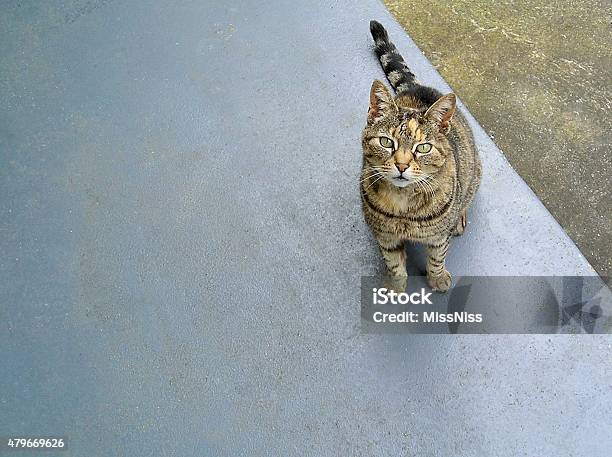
441	112
381	102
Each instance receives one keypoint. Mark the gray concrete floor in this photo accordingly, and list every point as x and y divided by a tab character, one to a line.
536	75
171	286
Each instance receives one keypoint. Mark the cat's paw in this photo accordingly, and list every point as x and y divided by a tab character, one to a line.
440	282
396	283
461	223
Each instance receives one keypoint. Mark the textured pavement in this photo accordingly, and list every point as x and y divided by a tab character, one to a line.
174	285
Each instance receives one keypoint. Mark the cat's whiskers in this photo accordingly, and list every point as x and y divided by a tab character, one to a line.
422	186
375	181
373	171
430	180
370	176
423	181
427	186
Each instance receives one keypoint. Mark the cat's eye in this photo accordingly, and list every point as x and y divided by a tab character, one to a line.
385	142
423	148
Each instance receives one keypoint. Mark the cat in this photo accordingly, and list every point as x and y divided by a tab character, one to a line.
420	167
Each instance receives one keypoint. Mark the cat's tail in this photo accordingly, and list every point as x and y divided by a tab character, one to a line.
396	70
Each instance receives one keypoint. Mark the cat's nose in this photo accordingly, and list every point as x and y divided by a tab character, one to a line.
402	167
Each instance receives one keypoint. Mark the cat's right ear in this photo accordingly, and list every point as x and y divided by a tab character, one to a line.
441	112
381	102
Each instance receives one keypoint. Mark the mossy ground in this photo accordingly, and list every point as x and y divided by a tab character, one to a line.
537	76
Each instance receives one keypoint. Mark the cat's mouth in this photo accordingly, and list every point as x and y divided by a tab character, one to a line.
401	181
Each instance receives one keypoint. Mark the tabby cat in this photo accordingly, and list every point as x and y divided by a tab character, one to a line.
420	166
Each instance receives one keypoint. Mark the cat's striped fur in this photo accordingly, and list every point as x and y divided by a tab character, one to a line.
420	166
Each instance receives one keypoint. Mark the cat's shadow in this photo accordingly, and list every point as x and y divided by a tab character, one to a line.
415	259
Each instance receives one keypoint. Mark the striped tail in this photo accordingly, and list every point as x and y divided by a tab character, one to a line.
396	70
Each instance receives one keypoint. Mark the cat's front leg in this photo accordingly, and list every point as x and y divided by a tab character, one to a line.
392	250
437	275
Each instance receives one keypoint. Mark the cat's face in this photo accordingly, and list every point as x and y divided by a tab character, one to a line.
402	145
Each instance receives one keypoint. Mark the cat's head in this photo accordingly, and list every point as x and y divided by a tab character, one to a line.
406	145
